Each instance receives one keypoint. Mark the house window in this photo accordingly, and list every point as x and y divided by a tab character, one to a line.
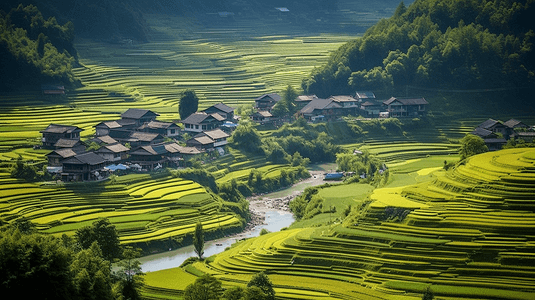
203	127
196	126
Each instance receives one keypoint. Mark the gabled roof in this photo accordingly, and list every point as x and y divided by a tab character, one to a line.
306	98
214	134
88	158
264	113
136	113
149	150
105	139
274	96
365	95
406	101
199	117
64	153
57	128
484	133
222	107
203	140
145	136
515	123
109	124
489	124
343	98
371	103
66	143
319	104
115	148
159	125
173	147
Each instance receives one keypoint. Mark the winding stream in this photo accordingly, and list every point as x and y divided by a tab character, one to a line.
276	217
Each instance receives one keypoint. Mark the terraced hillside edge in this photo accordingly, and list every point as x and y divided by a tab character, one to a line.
465	234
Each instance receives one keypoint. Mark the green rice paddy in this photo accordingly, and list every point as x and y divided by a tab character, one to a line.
463	234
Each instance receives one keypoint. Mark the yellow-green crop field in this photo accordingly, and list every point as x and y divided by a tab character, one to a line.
465	233
142	209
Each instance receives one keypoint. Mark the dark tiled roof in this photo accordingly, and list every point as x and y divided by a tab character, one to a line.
115	148
276	97
109	124
305	98
515	123
64	153
489	124
106	139
215	134
196	118
89	158
482	132
319	104
407	101
66	143
223	107
57	128
158	125
145	136
136	113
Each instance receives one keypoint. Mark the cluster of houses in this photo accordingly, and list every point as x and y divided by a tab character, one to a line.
137	140
364	103
496	133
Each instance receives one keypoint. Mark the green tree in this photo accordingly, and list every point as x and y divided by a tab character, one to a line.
286	106
24	171
234	293
198	240
189	103
254	293
91	275
105	234
206	287
472	145
130	273
262	281
428	295
246	138
34	266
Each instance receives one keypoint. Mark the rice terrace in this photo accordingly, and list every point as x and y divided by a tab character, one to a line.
398	135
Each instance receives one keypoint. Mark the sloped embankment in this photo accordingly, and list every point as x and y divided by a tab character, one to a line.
469	233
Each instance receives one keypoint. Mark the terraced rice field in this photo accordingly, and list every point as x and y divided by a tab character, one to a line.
142	208
467	233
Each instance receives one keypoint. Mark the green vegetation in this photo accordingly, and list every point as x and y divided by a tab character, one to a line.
34	50
448	45
189	103
198	240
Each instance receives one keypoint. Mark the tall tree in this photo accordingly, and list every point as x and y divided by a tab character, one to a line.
189	103
262	281
130	273
105	234
206	287
286	106
472	145
198	240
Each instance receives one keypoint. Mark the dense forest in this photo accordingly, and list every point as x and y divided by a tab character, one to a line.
438	44
34	49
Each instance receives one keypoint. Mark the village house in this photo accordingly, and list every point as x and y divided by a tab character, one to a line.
217	135
149	157
83	167
104	128
103	140
199	122
58	156
371	108
136	138
54	132
76	145
263	117
139	116
179	155
267	101
363	96
202	142
113	153
405	107
496	127
325	109
166	129
302	100
223	110
515	124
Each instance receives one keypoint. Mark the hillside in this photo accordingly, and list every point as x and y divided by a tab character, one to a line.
461	47
463	234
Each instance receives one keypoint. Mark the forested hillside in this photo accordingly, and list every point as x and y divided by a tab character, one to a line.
440	44
34	50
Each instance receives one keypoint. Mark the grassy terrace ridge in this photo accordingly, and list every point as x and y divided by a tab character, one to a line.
142	208
462	232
